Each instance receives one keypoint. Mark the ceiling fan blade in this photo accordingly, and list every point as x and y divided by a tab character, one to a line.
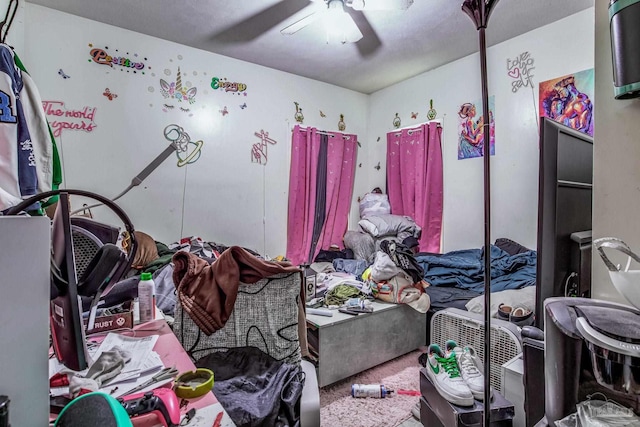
259	23
300	24
370	41
379	4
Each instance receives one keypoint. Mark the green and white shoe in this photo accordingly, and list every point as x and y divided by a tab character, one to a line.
444	374
470	365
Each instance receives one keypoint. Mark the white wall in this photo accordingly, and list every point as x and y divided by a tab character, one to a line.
514	168
616	181
225	195
15	35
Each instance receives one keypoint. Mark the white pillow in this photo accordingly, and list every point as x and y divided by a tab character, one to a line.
524	297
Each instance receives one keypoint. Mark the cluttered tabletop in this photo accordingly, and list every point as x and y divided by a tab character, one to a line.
148	372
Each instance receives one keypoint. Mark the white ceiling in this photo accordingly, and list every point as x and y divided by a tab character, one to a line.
429	34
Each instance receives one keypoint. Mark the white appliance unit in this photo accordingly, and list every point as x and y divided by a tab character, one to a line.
467	329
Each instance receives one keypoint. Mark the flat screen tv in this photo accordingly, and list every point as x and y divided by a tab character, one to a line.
564	206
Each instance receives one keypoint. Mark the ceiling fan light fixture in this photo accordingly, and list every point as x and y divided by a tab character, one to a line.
339	25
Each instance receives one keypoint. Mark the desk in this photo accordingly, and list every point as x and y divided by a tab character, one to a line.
172	354
350	344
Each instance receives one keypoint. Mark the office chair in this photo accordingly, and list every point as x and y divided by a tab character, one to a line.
98	261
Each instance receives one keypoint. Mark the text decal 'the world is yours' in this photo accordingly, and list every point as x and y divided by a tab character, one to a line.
61	118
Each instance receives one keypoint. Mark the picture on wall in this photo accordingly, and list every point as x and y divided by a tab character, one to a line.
471	137
569	100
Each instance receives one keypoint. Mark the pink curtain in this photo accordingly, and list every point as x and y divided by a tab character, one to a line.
341	162
320	190
414	179
302	193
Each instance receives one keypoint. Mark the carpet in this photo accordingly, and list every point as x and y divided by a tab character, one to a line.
338	408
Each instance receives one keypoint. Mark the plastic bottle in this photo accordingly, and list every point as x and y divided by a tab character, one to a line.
370	390
146	298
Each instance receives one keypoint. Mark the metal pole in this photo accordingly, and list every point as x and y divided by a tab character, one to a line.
479	12
487	227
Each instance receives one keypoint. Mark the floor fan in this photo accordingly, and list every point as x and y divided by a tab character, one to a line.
479	11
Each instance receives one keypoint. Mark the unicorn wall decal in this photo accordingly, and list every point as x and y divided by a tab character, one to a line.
175	90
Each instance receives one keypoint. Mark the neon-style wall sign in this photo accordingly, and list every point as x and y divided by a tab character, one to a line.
259	149
100	56
222	84
61	118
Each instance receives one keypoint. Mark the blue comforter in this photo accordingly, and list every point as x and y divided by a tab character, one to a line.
465	269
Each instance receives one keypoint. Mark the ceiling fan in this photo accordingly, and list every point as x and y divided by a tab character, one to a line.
341	23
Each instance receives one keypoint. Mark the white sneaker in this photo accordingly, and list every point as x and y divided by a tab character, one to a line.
444	374
470	367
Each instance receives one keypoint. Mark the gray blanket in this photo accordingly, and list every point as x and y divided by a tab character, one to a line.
390	225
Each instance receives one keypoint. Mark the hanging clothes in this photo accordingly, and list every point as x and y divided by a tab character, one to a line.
29	163
414	179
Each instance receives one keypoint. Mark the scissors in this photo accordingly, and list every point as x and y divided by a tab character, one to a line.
164	374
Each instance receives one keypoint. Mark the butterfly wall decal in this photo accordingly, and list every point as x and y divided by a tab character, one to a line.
109	95
414	115
224	111
243	106
62	74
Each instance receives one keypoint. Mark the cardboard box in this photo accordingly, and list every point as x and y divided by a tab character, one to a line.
450	415
111	322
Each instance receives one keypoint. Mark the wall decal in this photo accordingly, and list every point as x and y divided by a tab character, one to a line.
471	137
569	100
377	167
259	149
243	106
298	114
224	111
234	87
396	121
102	57
109	95
62	74
414	115
322	114
188	151
432	113
341	125
520	70
61	118
175	90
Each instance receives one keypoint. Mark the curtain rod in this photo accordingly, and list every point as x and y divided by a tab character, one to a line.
322	132
439	121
